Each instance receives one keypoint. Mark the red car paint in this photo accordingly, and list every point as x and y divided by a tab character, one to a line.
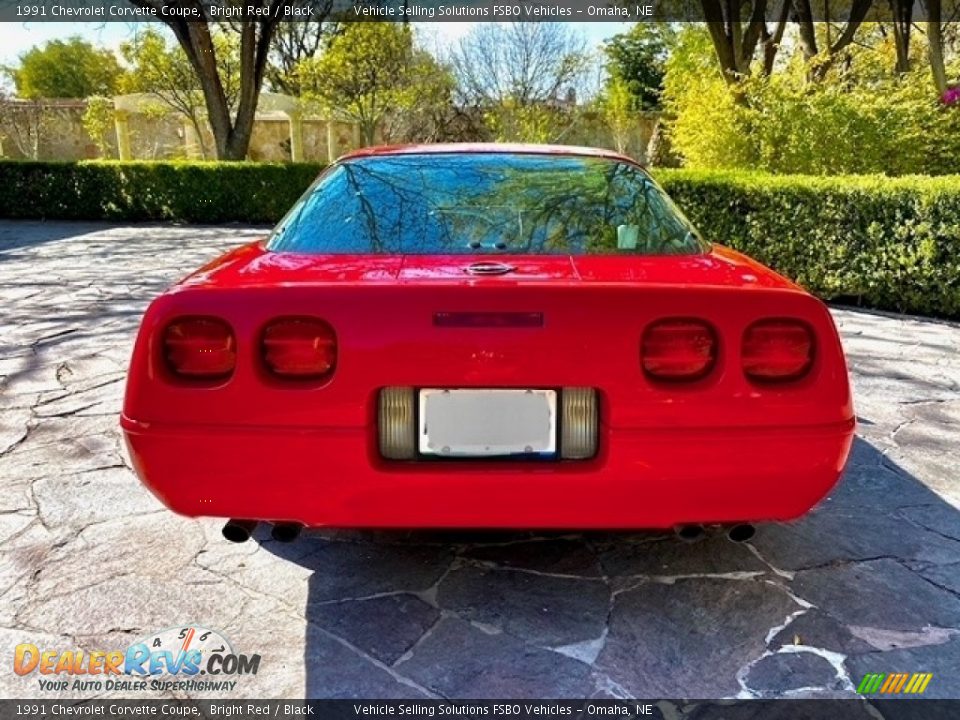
716	450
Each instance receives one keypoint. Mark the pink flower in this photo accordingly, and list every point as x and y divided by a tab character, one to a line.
951	96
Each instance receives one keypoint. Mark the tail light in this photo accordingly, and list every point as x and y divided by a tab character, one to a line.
578	423
300	348
396	423
777	350
678	349
200	348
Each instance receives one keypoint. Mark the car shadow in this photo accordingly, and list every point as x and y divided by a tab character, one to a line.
19	234
868	582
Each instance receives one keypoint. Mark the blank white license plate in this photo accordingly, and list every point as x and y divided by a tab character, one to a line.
485	423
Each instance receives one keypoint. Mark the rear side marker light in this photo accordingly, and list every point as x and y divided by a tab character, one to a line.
202	348
678	349
396	423
299	348
578	423
777	350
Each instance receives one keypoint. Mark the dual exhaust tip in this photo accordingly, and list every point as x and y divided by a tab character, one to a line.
239	531
737	533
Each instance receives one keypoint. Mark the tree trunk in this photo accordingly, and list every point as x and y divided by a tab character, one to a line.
935	45
805	28
902	19
771	43
726	55
231	134
858	11
734	41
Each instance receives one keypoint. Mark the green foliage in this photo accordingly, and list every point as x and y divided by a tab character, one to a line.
370	70
617	108
636	60
202	192
70	68
888	243
827	117
512	121
98	121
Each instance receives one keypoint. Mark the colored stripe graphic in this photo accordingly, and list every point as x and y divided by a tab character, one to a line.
894	683
913	684
870	683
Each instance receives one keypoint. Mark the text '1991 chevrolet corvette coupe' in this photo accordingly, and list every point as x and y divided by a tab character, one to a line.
487	336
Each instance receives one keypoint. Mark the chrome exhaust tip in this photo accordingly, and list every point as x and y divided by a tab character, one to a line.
742	532
689	533
286	532
239	531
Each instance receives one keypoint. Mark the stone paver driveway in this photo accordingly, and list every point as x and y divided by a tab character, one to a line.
870	582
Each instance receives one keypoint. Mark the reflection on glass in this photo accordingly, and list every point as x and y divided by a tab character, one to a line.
470	203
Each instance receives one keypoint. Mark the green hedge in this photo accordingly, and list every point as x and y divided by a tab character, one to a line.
179	191
887	243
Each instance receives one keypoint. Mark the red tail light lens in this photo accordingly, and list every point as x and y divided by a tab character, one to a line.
678	349
777	350
300	348
200	347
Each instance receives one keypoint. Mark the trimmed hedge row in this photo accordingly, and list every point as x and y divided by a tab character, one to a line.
197	192
887	243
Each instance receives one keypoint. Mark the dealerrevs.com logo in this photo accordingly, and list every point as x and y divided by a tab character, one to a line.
189	657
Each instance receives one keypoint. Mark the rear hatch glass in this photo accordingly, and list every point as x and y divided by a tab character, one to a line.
479	203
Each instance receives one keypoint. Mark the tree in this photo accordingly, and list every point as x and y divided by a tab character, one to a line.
524	62
71	68
370	71
859	117
98	121
426	111
635	60
617	105
252	31
821	60
166	72
522	76
25	122
294	42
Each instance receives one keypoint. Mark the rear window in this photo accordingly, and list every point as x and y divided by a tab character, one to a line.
485	203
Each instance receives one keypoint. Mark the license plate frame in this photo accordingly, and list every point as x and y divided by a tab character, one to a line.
487	423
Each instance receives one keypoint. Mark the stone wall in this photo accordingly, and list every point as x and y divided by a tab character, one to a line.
167	137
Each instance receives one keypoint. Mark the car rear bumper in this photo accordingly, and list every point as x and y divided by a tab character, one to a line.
640	478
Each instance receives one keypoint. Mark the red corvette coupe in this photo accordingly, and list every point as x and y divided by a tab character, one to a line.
487	336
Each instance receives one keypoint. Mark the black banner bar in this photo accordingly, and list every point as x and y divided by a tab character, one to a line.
784	709
445	11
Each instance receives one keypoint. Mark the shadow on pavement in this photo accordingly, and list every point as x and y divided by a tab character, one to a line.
868	582
19	234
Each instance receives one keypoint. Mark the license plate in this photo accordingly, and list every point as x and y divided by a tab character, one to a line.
488	423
